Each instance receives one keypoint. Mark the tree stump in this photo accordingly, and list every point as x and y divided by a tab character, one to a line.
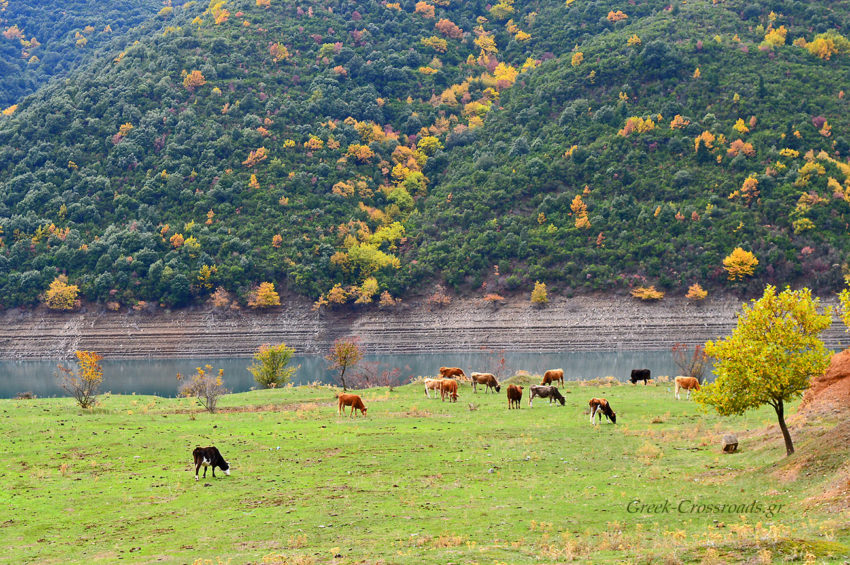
730	443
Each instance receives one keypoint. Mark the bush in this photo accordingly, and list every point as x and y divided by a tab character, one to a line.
204	386
538	295
270	368
84	382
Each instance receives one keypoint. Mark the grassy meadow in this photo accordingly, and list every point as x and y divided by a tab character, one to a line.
417	481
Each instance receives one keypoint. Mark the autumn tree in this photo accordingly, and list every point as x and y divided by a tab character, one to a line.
264	297
204	386
771	356
740	264
83	382
344	353
691	364
271	367
844	300
539	295
61	295
696	292
194	80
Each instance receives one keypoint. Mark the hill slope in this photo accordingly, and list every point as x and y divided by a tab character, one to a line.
375	146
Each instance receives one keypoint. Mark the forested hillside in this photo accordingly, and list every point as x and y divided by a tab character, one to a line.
45	38
345	150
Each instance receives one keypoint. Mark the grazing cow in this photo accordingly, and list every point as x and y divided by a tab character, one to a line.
550	392
514	396
451	372
553	375
487	379
686	383
209	457
600	406
448	387
432	384
350	400
640	375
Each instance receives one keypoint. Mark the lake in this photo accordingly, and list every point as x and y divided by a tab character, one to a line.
159	376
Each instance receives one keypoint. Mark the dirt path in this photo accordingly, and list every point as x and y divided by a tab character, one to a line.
576	324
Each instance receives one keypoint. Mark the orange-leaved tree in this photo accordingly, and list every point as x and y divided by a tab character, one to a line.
83	382
344	353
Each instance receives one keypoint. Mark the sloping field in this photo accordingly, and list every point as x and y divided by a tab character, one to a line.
417	481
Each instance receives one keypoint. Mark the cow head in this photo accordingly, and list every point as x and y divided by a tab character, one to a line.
560	398
613	417
498	388
363	410
225	466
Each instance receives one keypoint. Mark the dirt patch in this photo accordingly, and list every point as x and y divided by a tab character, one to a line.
831	391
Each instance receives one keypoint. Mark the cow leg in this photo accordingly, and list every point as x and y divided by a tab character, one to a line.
205	471
213	470
197	468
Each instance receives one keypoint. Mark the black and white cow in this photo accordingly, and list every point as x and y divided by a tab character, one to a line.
209	457
640	375
550	392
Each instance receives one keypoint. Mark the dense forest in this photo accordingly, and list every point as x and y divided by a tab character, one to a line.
348	150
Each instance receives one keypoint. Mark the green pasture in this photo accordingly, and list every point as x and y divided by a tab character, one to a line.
417	481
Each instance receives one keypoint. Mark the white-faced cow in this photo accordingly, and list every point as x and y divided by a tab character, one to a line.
209	457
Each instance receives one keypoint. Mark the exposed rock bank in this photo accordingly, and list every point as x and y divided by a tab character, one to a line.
574	324
830	391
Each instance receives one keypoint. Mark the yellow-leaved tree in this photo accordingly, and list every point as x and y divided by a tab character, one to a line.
740	264
271	365
264	297
61	295
539	296
771	356
83	382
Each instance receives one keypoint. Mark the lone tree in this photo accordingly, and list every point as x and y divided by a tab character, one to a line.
344	353
691	365
271	365
84	382
204	386
771	356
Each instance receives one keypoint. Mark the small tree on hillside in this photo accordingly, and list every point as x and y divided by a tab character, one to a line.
539	296
271	365
61	295
83	383
344	353
771	356
690	365
844	298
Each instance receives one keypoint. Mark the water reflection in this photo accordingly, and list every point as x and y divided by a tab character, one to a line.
158	376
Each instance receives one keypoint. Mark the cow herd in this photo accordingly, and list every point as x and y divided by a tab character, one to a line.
447	386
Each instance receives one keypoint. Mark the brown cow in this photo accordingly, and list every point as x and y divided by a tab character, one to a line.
514	396
350	400
686	383
553	375
432	384
487	379
600	406
448	387
451	372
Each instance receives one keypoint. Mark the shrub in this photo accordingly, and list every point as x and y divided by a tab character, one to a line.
539	295
61	295
647	293
271	365
84	382
204	386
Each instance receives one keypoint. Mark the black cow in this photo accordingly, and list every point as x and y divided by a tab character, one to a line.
550	392
640	375
209	457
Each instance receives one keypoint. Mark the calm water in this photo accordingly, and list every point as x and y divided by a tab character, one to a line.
159	376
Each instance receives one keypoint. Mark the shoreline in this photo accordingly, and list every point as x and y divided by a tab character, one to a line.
584	323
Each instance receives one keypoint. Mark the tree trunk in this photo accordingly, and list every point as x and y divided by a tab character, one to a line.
342	379
780	414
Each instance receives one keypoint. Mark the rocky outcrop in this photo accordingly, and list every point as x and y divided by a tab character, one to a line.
574	324
830	391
